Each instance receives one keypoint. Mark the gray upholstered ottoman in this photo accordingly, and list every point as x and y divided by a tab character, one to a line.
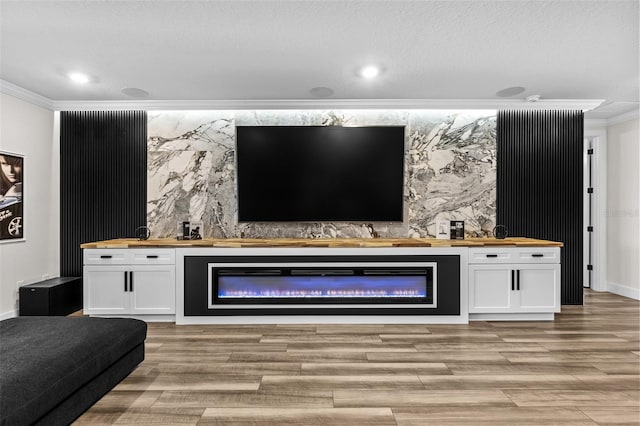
52	369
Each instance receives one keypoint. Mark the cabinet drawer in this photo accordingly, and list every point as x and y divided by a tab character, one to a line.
538	255
492	255
106	257
480	255
153	256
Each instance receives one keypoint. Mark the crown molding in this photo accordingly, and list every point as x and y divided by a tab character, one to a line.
25	95
307	104
627	116
292	104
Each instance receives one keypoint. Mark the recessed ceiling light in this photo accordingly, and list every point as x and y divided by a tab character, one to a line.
370	71
78	77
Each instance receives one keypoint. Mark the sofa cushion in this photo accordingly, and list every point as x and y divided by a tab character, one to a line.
43	360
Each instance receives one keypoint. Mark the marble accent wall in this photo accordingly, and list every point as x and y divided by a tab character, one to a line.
450	171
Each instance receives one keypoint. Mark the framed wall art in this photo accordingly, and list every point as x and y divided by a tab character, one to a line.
11	197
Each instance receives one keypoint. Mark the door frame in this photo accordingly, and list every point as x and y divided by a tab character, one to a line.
595	137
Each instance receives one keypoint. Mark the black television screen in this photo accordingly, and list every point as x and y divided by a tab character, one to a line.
319	173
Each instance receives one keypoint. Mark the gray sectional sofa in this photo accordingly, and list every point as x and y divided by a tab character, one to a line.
52	369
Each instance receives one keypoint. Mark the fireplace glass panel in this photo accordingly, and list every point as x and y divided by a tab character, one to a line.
322	285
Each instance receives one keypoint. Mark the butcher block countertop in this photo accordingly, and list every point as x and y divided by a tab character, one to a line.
321	242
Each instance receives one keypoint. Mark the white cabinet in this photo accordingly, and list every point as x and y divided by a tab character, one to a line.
104	290
129	281
513	281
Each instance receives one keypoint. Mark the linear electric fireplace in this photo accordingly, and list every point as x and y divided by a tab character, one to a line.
365	282
391	284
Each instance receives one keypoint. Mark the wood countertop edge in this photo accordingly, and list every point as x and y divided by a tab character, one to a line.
319	243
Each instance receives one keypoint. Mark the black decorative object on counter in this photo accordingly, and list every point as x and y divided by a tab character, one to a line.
457	230
142	233
500	232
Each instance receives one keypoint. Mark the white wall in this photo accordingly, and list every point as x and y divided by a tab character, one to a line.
623	207
29	130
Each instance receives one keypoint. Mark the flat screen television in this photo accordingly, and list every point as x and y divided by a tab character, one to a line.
320	173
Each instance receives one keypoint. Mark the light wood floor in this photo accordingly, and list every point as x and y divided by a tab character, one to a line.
581	369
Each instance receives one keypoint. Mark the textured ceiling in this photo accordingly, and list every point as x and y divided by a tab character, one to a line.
274	50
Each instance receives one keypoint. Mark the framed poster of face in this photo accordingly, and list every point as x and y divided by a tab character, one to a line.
11	197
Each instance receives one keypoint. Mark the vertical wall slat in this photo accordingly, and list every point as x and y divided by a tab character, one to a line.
539	184
103	179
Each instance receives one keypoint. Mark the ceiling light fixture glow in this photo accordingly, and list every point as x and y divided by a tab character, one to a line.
370	71
78	77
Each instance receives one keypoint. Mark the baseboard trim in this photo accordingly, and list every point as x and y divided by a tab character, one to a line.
7	315
548	316
623	290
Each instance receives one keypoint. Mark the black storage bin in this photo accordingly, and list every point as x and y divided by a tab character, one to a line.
56	296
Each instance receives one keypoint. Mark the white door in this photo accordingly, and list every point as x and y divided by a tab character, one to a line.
539	288
153	289
490	289
104	290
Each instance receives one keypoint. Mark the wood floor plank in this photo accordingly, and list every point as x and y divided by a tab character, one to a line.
523	368
547	338
187	356
298	357
190	381
395	368
618	367
612	381
147	399
501	382
386	381
336	329
440	337
588	346
320	339
574	398
500	346
210	347
350	347
418	398
227	368
437	356
299	416
208	338
572	357
285	398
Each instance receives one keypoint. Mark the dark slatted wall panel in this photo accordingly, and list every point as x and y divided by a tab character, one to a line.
103	179
539	189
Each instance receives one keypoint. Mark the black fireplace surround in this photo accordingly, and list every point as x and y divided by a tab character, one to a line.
424	285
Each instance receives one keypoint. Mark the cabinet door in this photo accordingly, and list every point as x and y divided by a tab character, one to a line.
539	288
153	289
104	290
490	289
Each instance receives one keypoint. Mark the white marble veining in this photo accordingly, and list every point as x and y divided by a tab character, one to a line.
450	171
451	162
